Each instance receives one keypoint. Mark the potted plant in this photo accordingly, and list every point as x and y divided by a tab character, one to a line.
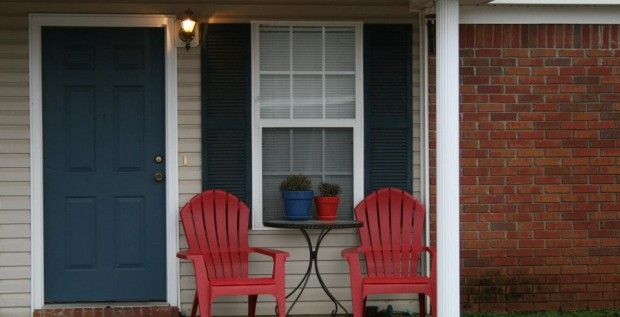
327	201
297	196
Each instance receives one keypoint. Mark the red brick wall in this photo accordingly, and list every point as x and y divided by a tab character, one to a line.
117	311
540	167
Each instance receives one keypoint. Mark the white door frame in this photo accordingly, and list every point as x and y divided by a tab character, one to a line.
37	21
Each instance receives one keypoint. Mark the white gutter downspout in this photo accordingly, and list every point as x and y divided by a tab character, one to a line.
448	260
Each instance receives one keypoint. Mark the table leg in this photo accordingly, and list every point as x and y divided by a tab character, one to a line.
313	260
302	284
318	274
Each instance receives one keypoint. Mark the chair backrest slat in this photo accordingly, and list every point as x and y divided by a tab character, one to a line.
385	207
209	209
221	229
391	237
216	225
232	236
407	236
369	233
396	243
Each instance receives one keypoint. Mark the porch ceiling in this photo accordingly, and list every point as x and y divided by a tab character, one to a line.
421	4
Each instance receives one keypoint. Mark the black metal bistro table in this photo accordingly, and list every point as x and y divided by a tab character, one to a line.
325	226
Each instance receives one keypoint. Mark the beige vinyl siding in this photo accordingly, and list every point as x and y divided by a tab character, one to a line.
188	76
190	161
15	244
14	167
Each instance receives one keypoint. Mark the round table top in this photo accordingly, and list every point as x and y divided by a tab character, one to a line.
313	224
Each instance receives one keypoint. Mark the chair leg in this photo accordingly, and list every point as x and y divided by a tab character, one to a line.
195	304
204	304
357	302
434	304
252	305
281	305
422	301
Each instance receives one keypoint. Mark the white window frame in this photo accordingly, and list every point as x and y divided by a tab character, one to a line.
357	124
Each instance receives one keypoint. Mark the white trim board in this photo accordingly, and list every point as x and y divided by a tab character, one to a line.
37	21
539	15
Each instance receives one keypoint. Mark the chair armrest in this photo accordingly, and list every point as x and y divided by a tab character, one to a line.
350	252
353	257
433	272
185	255
196	258
270	252
279	259
355	268
200	269
430	250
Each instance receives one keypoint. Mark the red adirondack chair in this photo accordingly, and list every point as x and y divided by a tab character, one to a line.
216	226
391	246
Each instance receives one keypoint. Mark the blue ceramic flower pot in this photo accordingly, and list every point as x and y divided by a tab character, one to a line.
297	204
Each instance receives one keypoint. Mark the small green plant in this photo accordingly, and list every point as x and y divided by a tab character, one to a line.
329	189
296	182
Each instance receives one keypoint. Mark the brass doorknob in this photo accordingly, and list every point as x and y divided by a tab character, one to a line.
159	177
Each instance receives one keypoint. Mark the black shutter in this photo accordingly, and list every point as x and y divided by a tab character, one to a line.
226	117
387	106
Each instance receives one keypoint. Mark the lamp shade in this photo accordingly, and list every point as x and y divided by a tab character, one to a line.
188	25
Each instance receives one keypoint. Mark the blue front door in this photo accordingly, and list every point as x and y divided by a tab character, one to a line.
103	134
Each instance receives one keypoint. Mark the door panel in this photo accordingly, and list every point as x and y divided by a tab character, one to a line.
103	124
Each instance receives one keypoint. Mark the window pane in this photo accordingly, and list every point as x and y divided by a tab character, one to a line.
307	150
339	150
321	154
345	208
274	48
276	151
308	97
307	49
275	97
340	94
273	208
323	74
340	49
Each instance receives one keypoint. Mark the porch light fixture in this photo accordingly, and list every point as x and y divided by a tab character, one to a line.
187	28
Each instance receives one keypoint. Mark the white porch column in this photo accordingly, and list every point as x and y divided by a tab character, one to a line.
448	283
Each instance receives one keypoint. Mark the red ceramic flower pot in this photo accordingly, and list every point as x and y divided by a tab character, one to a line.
326	207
